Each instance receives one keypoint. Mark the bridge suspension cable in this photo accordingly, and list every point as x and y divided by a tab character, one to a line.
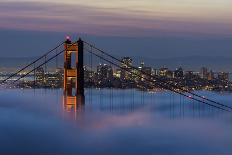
153	80
162	86
32	63
40	65
162	83
45	62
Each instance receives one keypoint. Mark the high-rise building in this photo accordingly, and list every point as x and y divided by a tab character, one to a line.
189	75
163	71
146	73
179	73
154	72
104	72
211	75
223	76
60	77
142	64
117	73
170	74
40	76
126	68
54	80
147	70
204	73
88	75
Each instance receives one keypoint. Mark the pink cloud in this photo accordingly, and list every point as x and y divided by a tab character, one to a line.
83	19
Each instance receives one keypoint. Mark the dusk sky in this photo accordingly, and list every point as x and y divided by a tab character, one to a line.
158	27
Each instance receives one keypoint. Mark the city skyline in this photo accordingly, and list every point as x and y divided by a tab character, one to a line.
127	76
115	77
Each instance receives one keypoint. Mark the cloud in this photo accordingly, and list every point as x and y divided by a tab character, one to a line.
102	20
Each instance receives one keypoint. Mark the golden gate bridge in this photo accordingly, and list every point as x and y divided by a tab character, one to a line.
74	75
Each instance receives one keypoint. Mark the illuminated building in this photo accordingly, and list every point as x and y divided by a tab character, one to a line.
40	77
146	72
142	64
104	72
163	72
223	76
179	73
210	75
204	73
88	75
60	74
117	73
126	65
154	72
169	74
189	75
55	79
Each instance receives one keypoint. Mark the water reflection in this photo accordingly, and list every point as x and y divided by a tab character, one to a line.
73	104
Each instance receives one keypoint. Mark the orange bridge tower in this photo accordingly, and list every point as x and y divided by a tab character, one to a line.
73	71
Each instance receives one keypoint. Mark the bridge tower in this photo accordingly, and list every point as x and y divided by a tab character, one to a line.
73	75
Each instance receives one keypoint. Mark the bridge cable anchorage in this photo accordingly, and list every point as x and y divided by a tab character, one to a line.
165	87
165	83
47	60
30	64
189	92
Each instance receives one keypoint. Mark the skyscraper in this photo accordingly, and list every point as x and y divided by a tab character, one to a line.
204	73
211	75
104	72
40	77
163	71
179	73
223	76
126	71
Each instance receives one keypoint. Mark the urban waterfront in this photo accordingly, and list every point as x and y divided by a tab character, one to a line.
113	121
